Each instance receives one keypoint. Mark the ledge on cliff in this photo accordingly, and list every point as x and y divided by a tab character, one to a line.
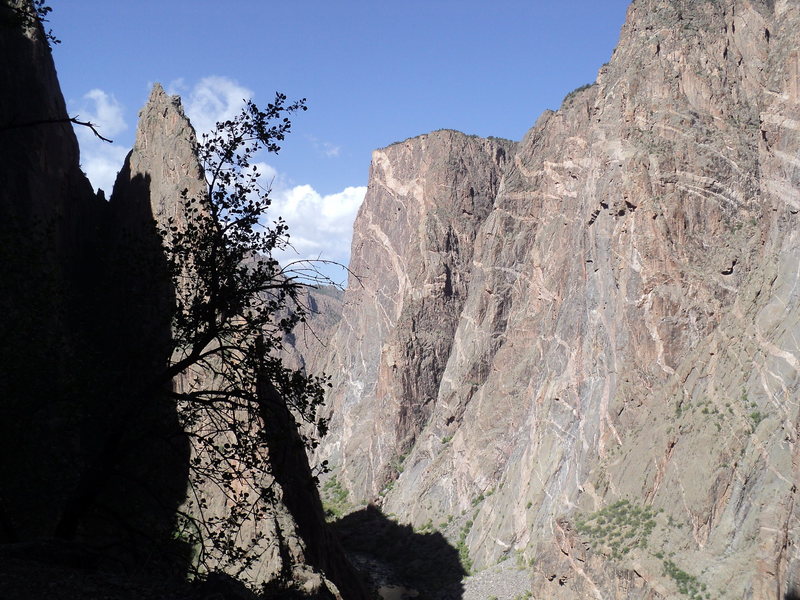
453	132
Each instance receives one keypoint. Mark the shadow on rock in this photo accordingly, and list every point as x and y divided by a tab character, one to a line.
400	561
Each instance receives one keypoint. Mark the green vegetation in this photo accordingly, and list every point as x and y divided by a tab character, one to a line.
461	546
756	416
688	585
720	412
456	131
233	305
398	462
673	523
500	139
386	488
576	91
427	527
335	499
198	298
623	526
482	496
620	527
678	409
28	15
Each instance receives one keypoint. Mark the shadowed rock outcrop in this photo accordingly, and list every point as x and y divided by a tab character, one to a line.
297	547
396	556
75	404
94	462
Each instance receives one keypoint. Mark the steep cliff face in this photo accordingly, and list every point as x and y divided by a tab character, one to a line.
306	348
49	221
162	162
625	333
412	255
40	152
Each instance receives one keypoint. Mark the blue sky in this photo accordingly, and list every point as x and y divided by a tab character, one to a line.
373	73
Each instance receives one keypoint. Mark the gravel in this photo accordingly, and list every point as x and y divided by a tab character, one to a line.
504	581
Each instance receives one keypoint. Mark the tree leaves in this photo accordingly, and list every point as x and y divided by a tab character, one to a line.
234	305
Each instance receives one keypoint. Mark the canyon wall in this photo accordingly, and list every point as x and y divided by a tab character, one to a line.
49	221
583	348
412	258
95	465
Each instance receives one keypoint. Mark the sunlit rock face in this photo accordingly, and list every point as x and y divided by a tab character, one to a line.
307	347
606	311
413	249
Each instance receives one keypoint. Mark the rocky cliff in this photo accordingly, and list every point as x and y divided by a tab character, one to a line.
583	348
49	221
412	256
95	465
307	347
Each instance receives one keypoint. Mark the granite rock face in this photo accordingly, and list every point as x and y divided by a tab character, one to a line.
306	348
602	317
162	162
412	256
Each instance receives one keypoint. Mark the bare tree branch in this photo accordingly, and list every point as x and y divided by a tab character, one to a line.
74	120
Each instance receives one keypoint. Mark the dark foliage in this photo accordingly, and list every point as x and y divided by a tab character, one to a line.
234	305
30	14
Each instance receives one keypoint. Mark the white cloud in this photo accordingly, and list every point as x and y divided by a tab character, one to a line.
213	99
175	87
100	160
106	113
328	149
102	164
268	175
319	226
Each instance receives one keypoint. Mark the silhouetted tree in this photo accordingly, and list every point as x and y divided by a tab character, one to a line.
234	303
